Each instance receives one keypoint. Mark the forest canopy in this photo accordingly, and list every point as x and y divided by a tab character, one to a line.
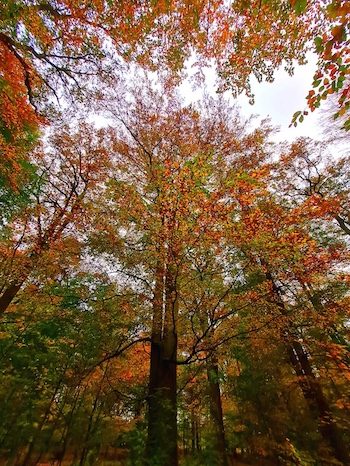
174	284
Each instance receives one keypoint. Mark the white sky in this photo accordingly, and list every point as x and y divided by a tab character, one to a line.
278	100
282	98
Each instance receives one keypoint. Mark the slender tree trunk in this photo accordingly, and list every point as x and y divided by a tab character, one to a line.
78	398
162	402
27	460
195	432
312	389
215	406
317	402
92	421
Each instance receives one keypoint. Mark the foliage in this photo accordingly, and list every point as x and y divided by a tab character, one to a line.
54	51
176	237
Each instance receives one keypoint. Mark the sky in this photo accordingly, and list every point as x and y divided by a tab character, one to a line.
282	98
278	100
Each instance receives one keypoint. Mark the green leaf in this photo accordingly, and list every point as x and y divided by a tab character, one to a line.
347	125
319	44
300	6
339	84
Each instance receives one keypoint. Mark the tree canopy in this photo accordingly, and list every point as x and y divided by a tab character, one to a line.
52	47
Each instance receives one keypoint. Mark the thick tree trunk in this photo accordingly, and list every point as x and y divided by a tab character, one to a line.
162	402
13	288
216	411
8	296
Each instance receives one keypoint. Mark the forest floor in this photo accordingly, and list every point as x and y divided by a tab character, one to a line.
118	457
114	463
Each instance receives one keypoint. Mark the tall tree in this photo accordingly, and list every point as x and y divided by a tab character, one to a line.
293	262
168	207
71	167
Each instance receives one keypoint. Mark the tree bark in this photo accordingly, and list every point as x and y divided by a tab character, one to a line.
13	288
8	295
162	400
311	388
216	414
343	224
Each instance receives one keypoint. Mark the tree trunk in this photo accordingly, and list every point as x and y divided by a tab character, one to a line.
8	296
312	389
162	402
317	402
195	432
42	244
13	288
343	224
27	459
92	421
216	411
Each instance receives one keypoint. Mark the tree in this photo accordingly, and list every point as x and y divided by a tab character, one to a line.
60	399
174	250
291	242
72	166
315	182
177	172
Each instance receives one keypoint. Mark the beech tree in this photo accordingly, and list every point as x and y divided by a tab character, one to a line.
161	228
296	286
176	272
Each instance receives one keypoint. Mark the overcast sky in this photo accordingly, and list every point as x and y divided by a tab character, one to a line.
278	100
282	98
